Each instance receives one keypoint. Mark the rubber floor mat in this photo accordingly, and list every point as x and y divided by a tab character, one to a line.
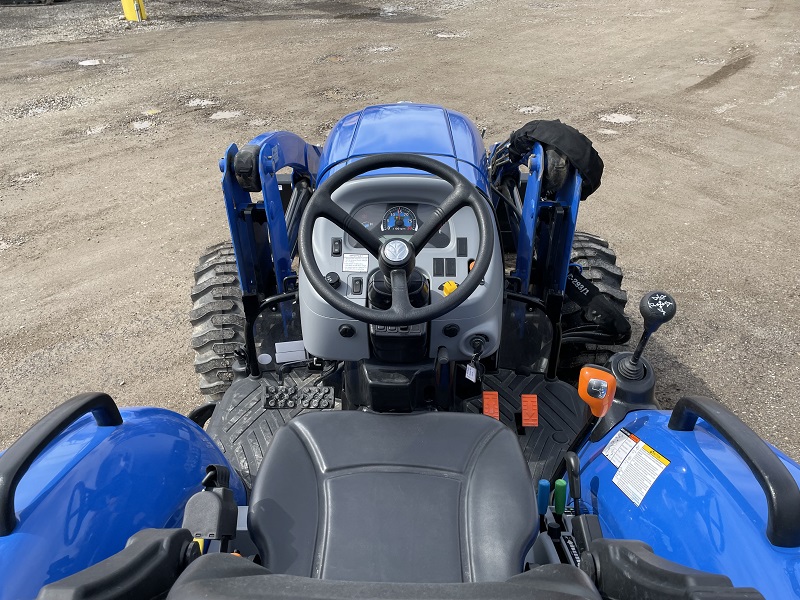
561	416
243	428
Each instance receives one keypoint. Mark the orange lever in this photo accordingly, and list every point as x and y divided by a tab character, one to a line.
596	387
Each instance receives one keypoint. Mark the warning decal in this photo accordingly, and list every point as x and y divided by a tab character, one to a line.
619	447
638	465
355	263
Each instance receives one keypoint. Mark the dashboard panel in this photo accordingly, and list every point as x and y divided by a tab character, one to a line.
386	219
395	207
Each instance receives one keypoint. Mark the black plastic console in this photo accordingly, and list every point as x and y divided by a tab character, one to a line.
390	387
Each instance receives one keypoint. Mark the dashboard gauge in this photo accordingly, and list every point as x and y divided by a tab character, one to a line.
400	219
370	215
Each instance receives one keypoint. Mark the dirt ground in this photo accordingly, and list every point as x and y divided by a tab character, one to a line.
109	186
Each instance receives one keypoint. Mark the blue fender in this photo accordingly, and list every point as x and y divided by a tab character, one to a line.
705	510
93	487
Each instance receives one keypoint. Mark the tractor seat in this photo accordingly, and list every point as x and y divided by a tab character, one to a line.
423	498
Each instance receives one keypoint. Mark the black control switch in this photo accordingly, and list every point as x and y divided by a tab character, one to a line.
358	286
573	464
461	247
438	267
336	246
450	267
451	330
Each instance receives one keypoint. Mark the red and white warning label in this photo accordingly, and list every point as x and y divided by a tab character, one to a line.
638	465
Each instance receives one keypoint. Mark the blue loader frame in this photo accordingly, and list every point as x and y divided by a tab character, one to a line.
544	232
555	239
258	254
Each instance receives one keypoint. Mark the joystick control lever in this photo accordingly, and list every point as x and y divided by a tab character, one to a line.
657	308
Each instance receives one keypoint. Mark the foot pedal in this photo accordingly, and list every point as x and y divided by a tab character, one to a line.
288	396
547	415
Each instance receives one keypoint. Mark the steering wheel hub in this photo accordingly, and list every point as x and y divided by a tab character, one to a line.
396	254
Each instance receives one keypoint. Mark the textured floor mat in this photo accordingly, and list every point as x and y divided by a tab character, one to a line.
243	428
561	416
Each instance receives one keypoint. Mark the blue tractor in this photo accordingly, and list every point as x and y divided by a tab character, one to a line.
383	346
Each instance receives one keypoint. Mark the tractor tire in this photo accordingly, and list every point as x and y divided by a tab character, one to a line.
217	317
599	264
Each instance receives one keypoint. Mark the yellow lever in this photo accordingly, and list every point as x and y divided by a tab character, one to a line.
449	287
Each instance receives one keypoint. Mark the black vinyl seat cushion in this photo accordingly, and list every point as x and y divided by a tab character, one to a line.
423	498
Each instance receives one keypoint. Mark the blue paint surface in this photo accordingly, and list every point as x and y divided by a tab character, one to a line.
93	487
706	510
423	129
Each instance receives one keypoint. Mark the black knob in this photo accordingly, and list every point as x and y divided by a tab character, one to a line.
191	553
657	308
451	330
333	279
347	331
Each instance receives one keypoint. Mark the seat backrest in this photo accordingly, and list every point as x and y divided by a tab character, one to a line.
424	497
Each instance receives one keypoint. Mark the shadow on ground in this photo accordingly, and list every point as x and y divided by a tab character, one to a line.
674	379
354	11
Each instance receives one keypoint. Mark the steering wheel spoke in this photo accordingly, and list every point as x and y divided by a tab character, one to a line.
401	305
456	200
348	223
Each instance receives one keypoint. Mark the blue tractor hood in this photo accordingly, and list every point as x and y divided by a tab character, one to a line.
424	129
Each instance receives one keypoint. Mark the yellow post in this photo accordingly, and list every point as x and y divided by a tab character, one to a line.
134	10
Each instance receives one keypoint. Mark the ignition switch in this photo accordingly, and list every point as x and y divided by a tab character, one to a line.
477	343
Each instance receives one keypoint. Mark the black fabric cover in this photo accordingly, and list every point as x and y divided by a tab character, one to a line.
424	498
227	577
569	141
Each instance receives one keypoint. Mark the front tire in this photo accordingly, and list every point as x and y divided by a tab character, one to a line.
217	317
599	263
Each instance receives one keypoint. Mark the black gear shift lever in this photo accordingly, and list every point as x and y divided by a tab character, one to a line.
657	308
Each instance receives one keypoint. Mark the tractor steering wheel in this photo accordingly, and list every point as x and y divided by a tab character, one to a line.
396	256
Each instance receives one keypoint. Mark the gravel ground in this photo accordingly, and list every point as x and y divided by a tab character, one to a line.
109	188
